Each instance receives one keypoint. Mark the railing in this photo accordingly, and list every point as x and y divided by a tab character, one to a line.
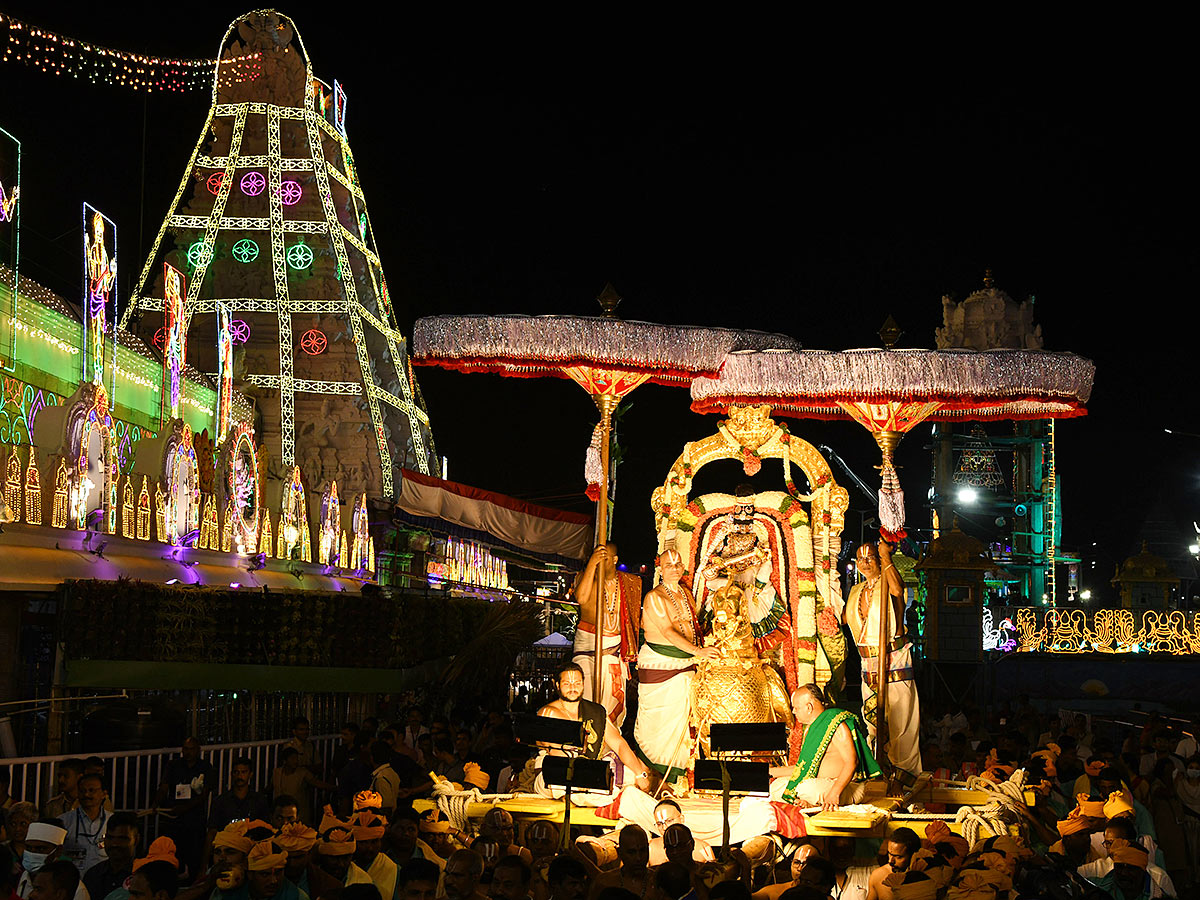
133	777
1054	630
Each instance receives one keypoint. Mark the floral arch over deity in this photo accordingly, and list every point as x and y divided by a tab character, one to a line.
797	605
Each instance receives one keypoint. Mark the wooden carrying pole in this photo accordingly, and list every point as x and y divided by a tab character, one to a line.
606	403
881	666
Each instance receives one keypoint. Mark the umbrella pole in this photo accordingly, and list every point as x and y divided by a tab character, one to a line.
882	668
606	403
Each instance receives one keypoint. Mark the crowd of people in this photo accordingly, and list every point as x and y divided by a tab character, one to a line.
1102	811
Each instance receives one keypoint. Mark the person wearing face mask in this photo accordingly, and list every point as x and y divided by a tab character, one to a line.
43	844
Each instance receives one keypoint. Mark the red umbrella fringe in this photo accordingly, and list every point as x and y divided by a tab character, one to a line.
515	368
952	409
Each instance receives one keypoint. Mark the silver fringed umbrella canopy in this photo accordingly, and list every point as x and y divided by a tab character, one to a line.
891	391
605	355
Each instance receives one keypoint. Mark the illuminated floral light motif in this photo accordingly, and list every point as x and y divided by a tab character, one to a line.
182	513
299	256
160	512
313	342
175	350
264	536
245	251
160	338
96	422
327	547
339	107
143	511
33	491
199	254
243	491
239	331
100	278
210	531
293	522
21	404
290	193
13	487
214	182
58	515
360	556
224	371
128	511
8	203
253	184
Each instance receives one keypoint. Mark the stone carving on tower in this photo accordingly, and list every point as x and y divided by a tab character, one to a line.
988	319
270	223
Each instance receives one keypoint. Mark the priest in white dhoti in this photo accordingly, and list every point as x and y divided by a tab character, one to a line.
666	667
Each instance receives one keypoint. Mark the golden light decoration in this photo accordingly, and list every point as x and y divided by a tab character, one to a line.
1066	631
58	54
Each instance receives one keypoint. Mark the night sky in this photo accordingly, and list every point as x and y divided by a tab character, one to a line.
716	172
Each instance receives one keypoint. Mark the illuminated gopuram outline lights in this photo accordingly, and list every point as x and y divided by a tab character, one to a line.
324	164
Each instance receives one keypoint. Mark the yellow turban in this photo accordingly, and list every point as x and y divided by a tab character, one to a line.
1092	808
911	886
1093	767
162	850
939	837
475	776
1118	804
366	826
936	866
234	835
1048	766
431	823
1073	824
367	800
337	841
329	819
295	837
999	772
1122	851
263	857
1009	846
974	883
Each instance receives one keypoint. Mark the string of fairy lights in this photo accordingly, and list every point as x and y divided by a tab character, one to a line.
66	56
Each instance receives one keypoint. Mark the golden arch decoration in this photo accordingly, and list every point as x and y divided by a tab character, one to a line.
750	435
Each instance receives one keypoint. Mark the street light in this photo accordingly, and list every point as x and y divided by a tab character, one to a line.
967	495
1085	594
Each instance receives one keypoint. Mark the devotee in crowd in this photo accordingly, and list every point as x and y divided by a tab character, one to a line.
157	880
344	750
566	878
335	852
293	780
498	826
67	797
511	877
241	801
901	844
305	749
384	780
633	872
6	799
183	794
56	880
417	880
43	847
464	869
119	845
20	816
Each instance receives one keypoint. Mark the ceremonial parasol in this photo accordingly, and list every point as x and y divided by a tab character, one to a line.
889	392
607	356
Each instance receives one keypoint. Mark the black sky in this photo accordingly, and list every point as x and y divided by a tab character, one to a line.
738	173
